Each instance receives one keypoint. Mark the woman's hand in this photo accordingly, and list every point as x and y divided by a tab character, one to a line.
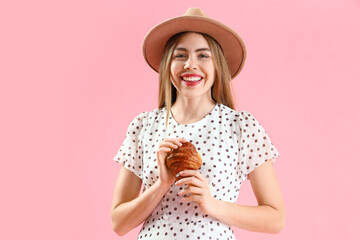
165	176
198	190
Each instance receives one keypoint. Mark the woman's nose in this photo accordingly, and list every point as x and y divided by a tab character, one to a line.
190	63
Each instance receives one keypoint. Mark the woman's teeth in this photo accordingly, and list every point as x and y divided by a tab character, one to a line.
191	79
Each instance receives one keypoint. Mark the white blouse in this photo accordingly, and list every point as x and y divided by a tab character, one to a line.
231	145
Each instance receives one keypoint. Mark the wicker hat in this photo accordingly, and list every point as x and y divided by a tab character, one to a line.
195	20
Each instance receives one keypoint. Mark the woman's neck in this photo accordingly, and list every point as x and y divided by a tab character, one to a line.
187	111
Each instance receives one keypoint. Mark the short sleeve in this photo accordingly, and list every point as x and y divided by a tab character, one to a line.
255	145
130	152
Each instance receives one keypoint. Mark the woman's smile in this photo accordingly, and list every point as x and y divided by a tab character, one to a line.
191	83
191	79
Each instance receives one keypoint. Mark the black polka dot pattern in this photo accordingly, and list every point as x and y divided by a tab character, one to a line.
130	152
231	144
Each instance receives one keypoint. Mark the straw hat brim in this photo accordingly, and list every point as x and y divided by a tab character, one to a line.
231	43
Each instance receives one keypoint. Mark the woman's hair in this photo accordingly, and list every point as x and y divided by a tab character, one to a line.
221	89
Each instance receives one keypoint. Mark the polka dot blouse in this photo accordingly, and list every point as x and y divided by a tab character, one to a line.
231	145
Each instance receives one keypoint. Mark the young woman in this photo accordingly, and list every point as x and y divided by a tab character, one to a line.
196	58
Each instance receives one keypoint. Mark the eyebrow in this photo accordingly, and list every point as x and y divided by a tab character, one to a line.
197	50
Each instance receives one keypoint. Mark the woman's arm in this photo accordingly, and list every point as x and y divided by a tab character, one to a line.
267	217
128	208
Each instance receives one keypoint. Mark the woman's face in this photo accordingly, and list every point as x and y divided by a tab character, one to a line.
192	66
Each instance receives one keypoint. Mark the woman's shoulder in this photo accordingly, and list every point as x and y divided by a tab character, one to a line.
241	114
145	116
243	118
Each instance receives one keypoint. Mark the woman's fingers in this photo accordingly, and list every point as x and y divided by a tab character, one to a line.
168	144
195	173
191	180
190	189
195	183
161	151
176	141
164	149
193	198
172	143
197	190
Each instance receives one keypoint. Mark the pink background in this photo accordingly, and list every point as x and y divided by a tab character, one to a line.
73	77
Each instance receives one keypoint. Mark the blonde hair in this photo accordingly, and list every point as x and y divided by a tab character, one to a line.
221	89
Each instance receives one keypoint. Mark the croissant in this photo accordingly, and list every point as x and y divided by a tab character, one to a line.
183	158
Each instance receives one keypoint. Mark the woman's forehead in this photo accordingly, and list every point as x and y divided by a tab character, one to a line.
196	50
192	41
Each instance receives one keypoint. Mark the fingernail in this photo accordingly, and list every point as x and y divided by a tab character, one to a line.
177	175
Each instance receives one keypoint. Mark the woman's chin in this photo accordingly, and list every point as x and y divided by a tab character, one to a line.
192	94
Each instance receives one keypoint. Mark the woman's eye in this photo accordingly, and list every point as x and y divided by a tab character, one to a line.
183	56
179	56
204	55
